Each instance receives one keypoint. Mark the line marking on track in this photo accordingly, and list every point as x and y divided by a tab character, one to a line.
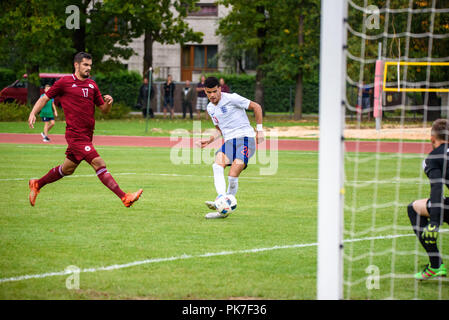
187	256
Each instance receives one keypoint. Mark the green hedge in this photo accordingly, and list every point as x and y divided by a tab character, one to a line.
279	94
123	86
242	84
21	112
14	112
118	111
311	96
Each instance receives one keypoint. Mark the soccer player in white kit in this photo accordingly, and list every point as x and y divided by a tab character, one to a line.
228	113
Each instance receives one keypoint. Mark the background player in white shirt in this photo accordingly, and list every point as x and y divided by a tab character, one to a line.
228	113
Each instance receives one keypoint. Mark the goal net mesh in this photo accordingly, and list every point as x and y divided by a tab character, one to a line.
388	114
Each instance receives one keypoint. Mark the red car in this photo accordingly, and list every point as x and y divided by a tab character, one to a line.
18	90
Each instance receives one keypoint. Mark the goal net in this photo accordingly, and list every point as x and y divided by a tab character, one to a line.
395	83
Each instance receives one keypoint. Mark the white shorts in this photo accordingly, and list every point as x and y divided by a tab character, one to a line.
201	103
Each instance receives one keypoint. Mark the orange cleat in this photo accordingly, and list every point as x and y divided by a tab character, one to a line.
130	198
34	191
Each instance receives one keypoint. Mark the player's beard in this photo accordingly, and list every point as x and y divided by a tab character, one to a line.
84	74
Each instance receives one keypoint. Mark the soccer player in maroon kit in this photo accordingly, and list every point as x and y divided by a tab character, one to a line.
78	96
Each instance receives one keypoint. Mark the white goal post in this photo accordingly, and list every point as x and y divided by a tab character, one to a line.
331	153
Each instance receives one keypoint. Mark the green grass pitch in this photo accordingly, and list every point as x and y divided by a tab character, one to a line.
79	222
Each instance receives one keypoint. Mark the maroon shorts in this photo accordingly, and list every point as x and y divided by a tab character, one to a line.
80	151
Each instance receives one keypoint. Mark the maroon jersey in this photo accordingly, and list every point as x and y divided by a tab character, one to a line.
78	99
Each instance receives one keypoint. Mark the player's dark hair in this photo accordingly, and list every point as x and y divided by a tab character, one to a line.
440	129
211	82
82	55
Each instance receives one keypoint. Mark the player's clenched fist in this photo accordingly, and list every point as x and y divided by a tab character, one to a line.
108	99
203	143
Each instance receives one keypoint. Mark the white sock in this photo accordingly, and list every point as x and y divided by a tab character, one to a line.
219	180
233	185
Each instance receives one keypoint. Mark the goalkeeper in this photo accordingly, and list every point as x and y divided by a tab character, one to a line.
427	215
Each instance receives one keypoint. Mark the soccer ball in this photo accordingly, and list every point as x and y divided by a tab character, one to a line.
226	204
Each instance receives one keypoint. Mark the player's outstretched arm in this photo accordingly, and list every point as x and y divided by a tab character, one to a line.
106	107
36	109
258	114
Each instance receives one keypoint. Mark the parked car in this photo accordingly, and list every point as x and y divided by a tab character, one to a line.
18	90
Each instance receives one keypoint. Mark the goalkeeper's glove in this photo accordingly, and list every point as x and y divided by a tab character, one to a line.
430	233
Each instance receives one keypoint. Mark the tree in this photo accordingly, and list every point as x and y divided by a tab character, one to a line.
247	26
294	46
284	34
160	21
29	38
34	35
418	48
232	55
102	32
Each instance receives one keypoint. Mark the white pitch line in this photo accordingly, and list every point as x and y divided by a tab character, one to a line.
186	256
160	149
160	174
349	183
74	176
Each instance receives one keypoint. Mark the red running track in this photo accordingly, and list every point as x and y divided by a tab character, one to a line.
282	144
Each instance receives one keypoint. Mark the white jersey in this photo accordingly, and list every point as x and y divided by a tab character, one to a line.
230	116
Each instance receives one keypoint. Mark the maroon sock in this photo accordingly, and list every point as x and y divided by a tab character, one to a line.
53	175
109	182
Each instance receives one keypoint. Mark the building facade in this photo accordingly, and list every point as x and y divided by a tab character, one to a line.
188	61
